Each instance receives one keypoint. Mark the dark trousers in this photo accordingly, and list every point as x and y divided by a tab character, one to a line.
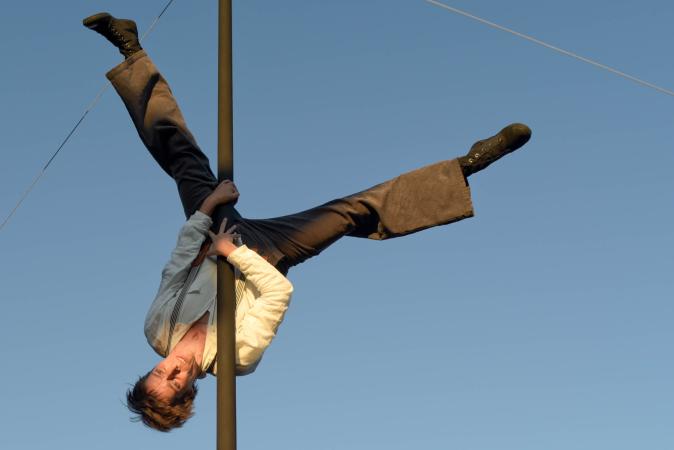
433	195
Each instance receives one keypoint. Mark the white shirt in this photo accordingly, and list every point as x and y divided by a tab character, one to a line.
262	298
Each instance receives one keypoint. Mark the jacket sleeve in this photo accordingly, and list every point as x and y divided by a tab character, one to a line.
258	326
191	236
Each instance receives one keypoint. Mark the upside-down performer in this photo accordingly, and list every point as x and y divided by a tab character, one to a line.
181	323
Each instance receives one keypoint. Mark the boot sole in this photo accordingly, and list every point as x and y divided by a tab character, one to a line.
92	21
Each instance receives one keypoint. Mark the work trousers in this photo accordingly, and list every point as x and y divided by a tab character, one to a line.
434	195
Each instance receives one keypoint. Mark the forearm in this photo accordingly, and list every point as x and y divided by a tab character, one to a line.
208	205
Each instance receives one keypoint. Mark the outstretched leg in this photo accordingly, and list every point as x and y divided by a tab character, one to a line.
155	113
162	128
433	195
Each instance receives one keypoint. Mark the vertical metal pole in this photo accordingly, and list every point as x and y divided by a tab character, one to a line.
226	396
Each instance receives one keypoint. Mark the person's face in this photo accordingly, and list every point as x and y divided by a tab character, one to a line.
171	378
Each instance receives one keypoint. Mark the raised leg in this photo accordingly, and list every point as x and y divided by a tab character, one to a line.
162	128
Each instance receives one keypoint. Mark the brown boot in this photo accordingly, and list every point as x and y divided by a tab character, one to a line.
122	33
485	152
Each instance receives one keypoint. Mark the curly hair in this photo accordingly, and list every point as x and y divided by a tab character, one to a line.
156	414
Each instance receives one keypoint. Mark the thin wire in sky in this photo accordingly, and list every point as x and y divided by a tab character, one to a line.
72	131
552	47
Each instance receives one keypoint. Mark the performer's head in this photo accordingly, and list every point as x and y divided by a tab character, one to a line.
163	399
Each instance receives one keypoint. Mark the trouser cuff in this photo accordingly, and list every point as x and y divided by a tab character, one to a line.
128	62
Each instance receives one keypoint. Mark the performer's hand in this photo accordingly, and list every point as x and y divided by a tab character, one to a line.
226	192
223	242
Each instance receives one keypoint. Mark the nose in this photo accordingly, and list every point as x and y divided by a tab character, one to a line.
174	372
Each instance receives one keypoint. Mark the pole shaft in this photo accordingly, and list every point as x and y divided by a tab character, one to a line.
226	378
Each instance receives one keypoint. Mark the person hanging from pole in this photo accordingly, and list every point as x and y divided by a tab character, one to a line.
180	324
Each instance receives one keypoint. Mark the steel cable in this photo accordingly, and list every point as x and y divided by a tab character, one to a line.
72	131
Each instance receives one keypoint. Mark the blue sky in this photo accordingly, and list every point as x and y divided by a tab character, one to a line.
543	322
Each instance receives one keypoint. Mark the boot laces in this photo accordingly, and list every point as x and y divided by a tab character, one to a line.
119	36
